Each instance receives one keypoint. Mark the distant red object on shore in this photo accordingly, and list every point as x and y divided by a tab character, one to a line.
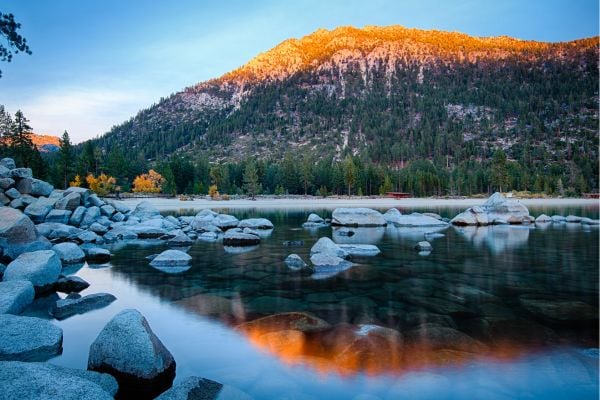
591	195
398	195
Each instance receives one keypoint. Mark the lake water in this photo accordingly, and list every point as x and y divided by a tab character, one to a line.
498	312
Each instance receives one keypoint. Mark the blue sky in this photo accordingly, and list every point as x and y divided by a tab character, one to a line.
96	63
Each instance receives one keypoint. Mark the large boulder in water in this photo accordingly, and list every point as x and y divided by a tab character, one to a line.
234	238
127	349
35	380
256	223
15	296
224	221
326	246
28	338
171	258
418	220
42	268
392	216
496	209
201	388
15	227
357	217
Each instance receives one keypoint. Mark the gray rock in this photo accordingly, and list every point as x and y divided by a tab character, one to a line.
315	219
256	223
497	207
25	185
558	218
392	216
98	229
27	199
95	201
83	193
91	215
56	194
12	193
573	219
589	221
17	203
65	308
77	216
145	209
19	173
543	218
54	230
41	188
357	217
326	246
28	339
224	221
4	200
180	241
171	258
202	389
129	350
15	227
71	201
4	172
118	217
97	255
6	183
8	163
418	220
88	237
107	210
38	210
563	311
69	253
33	380
360	250
41	268
59	216
70	284
13	251
294	261
424	246
208	236
232	238
15	296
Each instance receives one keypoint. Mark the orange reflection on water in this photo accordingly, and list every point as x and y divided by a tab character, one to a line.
347	349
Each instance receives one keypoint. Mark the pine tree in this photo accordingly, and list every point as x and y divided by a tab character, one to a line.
499	171
65	159
251	185
349	173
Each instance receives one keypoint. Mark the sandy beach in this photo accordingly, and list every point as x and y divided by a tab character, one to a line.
332	203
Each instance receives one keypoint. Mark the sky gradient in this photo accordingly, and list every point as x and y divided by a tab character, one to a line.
95	64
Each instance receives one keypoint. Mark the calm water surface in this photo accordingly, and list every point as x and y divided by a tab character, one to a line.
493	312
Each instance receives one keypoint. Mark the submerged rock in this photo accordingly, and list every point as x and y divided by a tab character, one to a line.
418	220
560	311
360	250
70	284
201	388
34	380
424	246
28	338
171	259
294	261
180	241
15	296
357	217
65	308
543	218
127	349
326	265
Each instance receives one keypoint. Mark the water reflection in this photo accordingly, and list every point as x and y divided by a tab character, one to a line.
396	312
498	238
412	233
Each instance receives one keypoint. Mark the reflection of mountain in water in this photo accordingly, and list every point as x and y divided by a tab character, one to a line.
498	238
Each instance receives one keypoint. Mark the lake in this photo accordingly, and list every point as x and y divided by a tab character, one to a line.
498	312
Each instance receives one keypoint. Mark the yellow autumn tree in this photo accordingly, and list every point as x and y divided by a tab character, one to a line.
148	183
213	192
76	181
102	185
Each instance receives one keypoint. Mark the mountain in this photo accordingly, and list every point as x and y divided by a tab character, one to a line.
45	143
390	95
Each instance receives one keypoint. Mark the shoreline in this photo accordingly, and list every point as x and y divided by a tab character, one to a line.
331	203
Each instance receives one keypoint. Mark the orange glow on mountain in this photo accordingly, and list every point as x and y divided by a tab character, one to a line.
345	44
40	140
